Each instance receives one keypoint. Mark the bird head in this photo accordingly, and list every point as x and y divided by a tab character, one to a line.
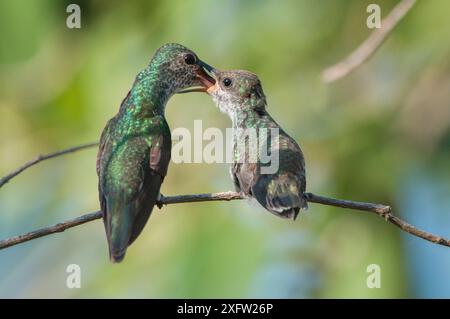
236	91
181	69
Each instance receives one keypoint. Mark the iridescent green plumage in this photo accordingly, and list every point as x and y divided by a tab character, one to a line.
281	191
135	145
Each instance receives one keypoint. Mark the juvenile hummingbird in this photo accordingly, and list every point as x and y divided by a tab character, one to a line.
135	145
239	94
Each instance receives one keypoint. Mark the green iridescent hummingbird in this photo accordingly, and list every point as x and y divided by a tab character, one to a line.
279	187
135	145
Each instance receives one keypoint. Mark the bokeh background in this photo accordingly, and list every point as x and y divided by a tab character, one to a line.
379	135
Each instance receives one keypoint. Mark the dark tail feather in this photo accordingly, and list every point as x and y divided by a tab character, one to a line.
290	213
280	196
118	225
144	206
116	258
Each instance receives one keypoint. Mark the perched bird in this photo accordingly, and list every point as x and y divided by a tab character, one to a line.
135	145
239	94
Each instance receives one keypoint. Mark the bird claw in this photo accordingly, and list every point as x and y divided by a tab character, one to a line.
159	201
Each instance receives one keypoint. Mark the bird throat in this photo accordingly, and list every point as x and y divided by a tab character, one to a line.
148	96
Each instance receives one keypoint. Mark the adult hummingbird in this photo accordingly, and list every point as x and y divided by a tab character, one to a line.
239	94
135	145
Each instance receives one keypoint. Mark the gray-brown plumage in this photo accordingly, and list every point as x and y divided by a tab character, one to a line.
281	189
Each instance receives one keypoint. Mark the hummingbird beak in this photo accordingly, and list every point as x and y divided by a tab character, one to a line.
213	71
215	74
206	66
206	80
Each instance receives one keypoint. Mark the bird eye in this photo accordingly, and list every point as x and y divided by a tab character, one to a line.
227	82
190	59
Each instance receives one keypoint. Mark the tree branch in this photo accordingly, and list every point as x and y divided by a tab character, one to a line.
379	209
369	46
382	211
40	158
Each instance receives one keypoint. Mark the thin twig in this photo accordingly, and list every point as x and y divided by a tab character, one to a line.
57	228
369	46
382	211
40	158
379	209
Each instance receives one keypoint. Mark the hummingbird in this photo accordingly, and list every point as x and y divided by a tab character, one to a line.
239	94
135	146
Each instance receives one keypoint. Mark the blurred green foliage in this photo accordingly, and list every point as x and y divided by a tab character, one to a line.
362	136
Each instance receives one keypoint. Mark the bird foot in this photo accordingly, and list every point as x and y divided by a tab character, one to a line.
159	201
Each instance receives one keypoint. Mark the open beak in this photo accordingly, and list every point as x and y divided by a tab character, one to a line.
206	80
215	75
